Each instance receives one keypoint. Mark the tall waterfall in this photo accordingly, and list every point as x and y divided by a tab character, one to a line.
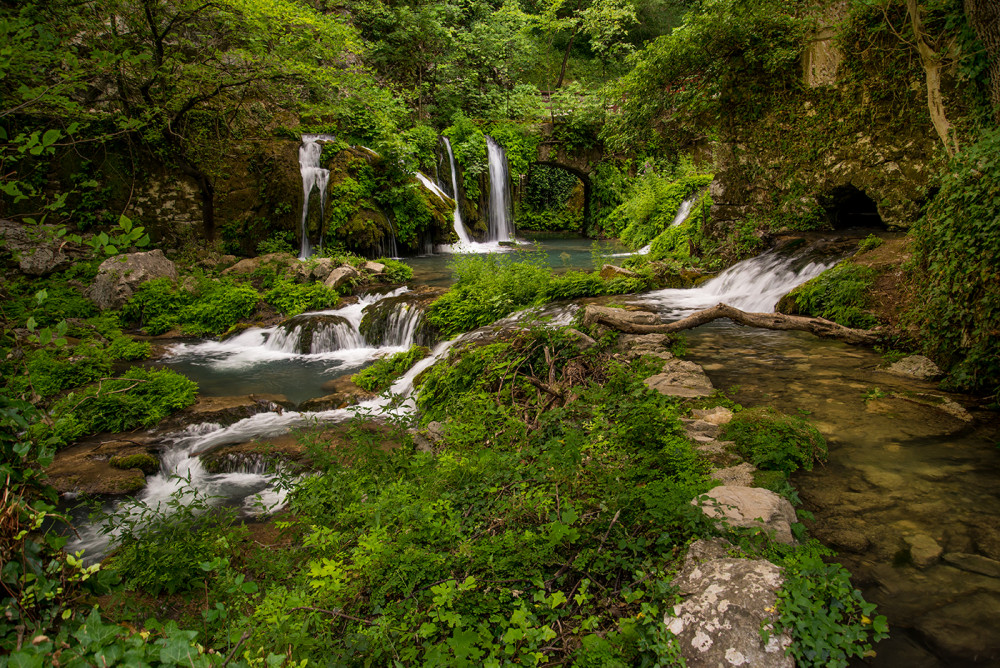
501	227
463	235
313	176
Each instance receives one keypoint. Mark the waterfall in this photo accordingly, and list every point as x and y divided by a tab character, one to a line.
501	228
753	285
463	235
682	213
313	176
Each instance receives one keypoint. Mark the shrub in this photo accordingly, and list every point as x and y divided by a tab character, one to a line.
294	298
140	398
773	441
871	242
396	271
840	294
383	371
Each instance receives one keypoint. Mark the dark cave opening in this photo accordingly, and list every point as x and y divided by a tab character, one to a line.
847	206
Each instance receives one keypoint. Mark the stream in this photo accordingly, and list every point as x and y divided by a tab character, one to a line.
900	473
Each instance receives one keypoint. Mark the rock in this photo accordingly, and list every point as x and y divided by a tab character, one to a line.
583	342
99	467
637	345
321	271
120	276
915	366
376	268
225	410
962	629
750	507
726	603
189	284
252	264
610	271
681	378
924	550
428	438
36	249
341	276
618	315
740	475
335	400
974	563
718	415
700	427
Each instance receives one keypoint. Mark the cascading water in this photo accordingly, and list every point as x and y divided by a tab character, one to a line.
313	176
463	235
682	213
753	285
500	228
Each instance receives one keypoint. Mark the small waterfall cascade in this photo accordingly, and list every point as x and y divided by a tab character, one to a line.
501	226
682	213
463	235
430	185
753	285
313	176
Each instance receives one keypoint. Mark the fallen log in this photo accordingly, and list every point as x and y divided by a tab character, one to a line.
818	326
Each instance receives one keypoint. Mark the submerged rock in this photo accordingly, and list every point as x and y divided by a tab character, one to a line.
726	603
120	276
915	366
750	507
924	550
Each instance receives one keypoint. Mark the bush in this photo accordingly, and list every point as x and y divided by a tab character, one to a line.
294	298
159	306
841	294
383	371
140	398
871	242
773	441
396	271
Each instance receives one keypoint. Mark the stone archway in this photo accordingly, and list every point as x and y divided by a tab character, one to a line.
584	178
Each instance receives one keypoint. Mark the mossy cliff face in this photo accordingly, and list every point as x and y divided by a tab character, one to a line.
853	146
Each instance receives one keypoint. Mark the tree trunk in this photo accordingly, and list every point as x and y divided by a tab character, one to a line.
565	61
984	17
818	326
932	63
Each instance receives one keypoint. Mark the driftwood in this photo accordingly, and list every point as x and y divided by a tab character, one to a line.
817	326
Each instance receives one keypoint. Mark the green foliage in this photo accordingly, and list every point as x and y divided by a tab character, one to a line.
396	271
489	287
159	306
293	298
171	546
139	398
957	305
840	293
773	441
871	242
383	371
651	206
729	60
279	242
468	143
828	618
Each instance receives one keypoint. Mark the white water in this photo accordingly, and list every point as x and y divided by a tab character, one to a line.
313	176
501	228
753	285
463	235
430	185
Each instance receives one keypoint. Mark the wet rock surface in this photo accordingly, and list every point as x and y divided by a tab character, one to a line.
726	602
897	468
95	465
224	410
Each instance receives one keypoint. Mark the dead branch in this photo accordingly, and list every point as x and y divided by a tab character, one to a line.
778	321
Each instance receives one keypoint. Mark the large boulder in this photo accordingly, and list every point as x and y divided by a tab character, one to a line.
251	264
915	366
681	378
120	276
750	507
726	603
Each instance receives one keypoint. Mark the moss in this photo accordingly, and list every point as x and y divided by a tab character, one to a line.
841	294
143	461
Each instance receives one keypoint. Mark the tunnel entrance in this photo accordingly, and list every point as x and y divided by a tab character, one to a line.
847	206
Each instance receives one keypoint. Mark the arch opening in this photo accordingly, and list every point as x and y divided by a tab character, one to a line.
552	196
848	206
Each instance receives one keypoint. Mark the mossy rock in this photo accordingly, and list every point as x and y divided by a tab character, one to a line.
143	461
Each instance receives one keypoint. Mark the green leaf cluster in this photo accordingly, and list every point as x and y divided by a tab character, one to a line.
383	371
773	441
841	293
